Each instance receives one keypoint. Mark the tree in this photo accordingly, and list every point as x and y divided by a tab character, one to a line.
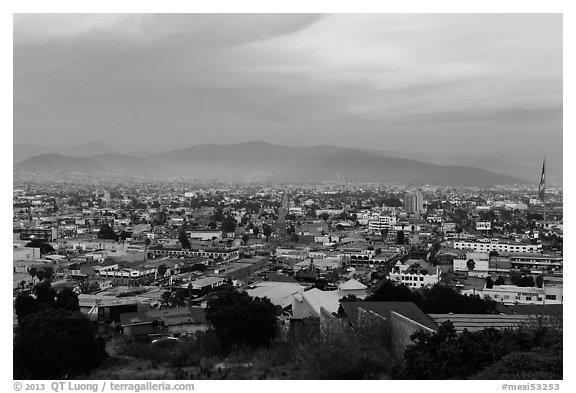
48	272
350	298
515	278
229	224
183	238
267	231
400	237
389	291
324	216
470	264
87	286
539	363
489	282
539	281
44	247
45	294
446	355
162	270
67	299
500	281
40	275
165	299
526	281
384	233
255	231
241	319
441	299
32	271
172	299
245	238
147	242
124	235
218	215
24	305
56	344
106	232
294	238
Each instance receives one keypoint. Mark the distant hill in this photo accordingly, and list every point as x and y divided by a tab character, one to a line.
524	167
264	161
260	161
112	163
530	173
27	150
57	162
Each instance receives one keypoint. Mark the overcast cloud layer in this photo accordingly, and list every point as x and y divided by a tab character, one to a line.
468	83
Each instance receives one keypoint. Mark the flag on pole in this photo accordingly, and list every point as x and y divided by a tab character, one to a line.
542	186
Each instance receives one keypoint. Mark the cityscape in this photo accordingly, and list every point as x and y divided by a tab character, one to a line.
229	197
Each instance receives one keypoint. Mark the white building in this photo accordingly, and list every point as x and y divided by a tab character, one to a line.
481	262
483	225
512	294
412	278
205	234
378	222
327	239
487	245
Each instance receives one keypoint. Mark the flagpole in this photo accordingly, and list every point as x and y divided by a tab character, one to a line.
544	213
542	188
544	194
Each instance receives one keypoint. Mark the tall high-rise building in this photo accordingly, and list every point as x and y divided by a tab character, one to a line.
414	203
106	197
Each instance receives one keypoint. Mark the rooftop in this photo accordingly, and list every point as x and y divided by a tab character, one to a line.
279	293
352	284
476	322
406	309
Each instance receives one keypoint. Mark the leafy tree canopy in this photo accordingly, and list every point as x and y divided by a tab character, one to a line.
240	319
229	224
183	238
44	247
446	355
56	344
106	232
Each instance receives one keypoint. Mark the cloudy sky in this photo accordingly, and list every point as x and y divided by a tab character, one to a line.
483	83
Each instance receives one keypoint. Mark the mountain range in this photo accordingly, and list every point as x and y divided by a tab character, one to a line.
256	161
28	150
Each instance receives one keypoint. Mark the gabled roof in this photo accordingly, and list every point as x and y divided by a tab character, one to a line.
352	284
322	299
279	293
406	309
